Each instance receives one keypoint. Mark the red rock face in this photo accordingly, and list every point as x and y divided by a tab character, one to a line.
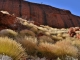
7	21
42	14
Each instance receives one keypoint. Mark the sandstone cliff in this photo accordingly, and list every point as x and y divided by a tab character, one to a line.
40	13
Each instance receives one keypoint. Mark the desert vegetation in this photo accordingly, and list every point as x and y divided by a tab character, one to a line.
11	49
40	42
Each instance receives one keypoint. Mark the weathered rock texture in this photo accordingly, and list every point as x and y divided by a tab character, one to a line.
43	14
7	21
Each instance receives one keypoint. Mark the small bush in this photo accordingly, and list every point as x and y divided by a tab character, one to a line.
56	38
8	32
66	48
11	48
45	39
29	43
47	50
34	29
27	33
77	44
60	49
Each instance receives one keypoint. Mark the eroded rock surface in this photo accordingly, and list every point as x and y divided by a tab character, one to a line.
7	20
40	13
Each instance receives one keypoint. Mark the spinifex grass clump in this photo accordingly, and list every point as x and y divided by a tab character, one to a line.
66	49
77	44
27	33
8	32
29	43
45	39
11	48
48	50
60	49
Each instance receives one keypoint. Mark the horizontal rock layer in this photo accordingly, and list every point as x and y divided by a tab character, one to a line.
40	13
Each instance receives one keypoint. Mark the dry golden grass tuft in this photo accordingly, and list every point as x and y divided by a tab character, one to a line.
45	39
76	43
11	48
29	43
34	29
8	32
56	38
60	49
48	50
27	33
66	48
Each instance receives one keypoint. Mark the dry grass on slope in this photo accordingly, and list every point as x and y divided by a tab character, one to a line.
27	33
66	48
29	43
60	49
11	48
8	32
48	50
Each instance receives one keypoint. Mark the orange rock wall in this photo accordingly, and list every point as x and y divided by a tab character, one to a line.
43	14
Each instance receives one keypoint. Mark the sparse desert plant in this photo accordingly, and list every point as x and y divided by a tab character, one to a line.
45	39
8	32
29	43
66	48
27	33
43	29
48	50
77	44
65	35
59	34
22	21
47	33
34	29
48	27
56	38
30	25
9	47
71	38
